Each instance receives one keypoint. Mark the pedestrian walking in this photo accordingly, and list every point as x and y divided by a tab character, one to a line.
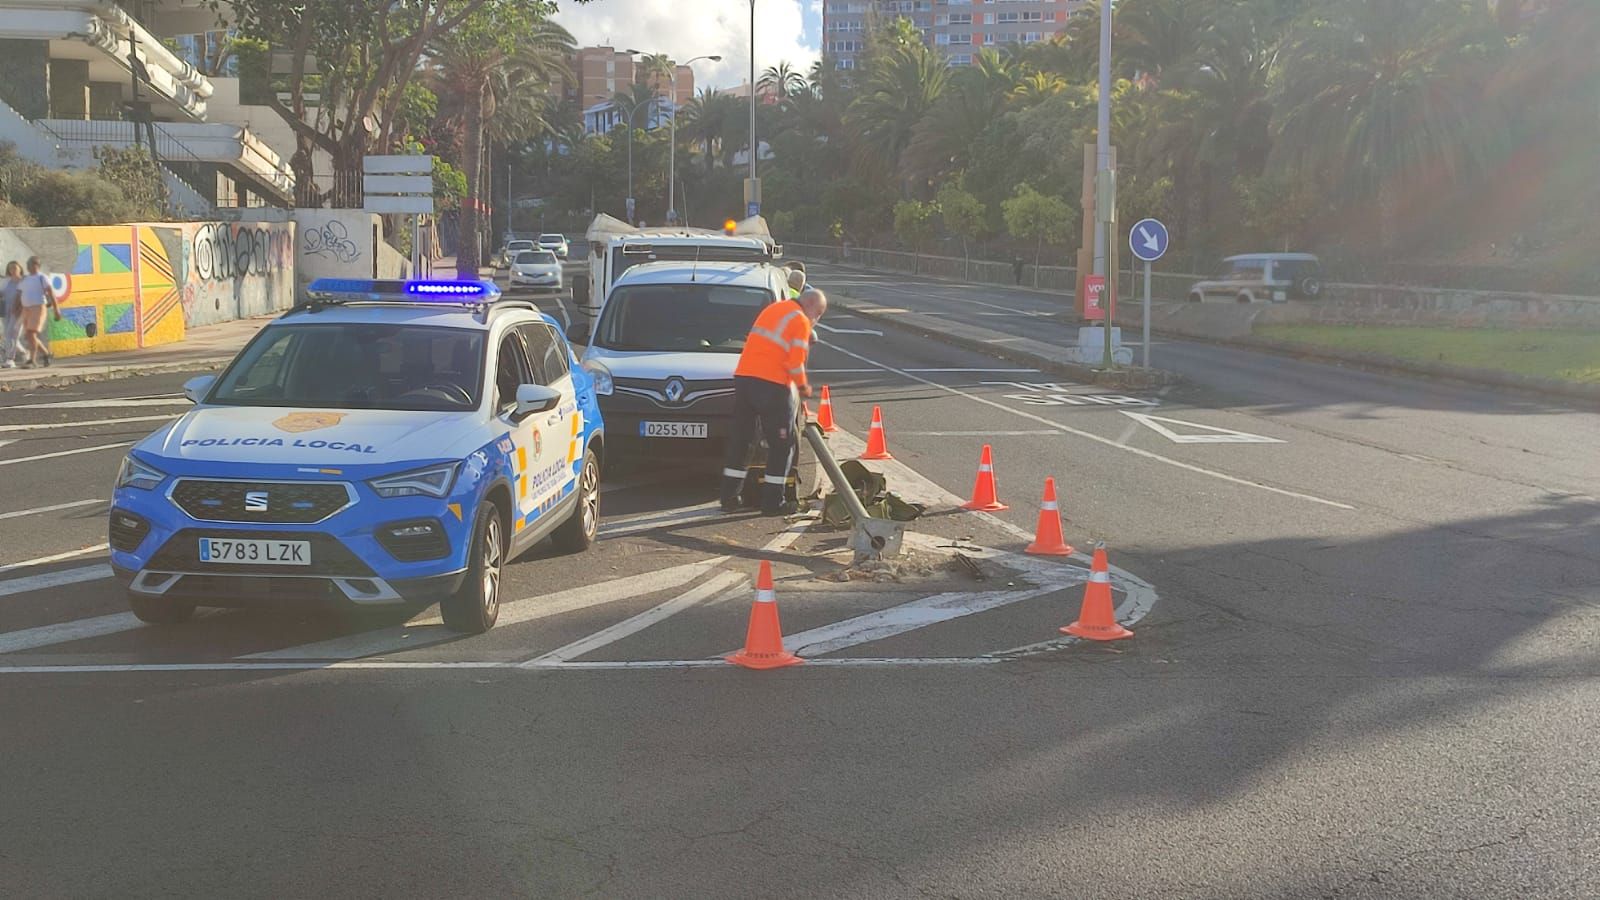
37	298
11	309
767	384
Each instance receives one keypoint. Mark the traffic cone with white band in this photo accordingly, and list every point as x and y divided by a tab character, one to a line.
1047	538
984	495
825	413
1097	619
877	445
763	640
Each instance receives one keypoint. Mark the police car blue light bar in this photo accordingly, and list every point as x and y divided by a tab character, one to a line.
355	290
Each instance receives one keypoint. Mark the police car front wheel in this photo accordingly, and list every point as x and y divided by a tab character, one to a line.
475	606
578	532
160	610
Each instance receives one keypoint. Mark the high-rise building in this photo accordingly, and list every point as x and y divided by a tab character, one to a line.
960	28
599	73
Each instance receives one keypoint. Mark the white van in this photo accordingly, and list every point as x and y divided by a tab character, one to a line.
615	246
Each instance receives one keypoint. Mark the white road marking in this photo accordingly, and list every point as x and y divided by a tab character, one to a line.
1127	434
1212	435
48	635
431	630
8	441
52	579
175	400
686	515
93	423
634	624
385	665
832	330
17	514
60	453
977	433
920	613
1088	435
56	557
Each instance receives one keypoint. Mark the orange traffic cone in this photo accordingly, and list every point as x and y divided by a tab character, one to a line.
763	641
877	446
984	496
1047	539
825	413
1097	620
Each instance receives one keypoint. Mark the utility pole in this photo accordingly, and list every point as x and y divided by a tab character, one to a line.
1105	176
752	184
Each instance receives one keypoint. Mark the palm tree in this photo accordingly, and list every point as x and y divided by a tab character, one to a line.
972	102
1154	36
783	80
1385	95
902	86
481	75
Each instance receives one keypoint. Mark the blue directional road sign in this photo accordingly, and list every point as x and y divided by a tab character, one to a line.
752	209
1149	240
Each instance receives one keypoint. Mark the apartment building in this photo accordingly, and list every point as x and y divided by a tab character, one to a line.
78	74
599	73
960	28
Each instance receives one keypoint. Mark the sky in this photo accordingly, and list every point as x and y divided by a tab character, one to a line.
786	30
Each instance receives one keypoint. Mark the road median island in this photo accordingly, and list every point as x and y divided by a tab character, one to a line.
1024	351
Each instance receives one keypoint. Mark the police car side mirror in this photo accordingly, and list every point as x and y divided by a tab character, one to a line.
578	333
535	398
195	389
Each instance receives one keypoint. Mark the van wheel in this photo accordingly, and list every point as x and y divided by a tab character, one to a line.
159	610
1310	288
1197	297
582	526
1244	297
475	606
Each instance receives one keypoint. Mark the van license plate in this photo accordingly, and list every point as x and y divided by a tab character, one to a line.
260	553
674	429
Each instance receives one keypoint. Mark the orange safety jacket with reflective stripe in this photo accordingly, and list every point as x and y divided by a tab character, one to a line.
776	349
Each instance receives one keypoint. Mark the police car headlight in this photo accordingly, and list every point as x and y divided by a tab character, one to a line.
434	481
136	474
602	378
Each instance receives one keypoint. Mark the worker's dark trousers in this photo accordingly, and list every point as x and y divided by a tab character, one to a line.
773	407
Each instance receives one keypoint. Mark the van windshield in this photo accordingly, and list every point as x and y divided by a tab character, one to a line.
712	318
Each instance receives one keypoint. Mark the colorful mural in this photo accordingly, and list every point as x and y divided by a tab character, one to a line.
116	288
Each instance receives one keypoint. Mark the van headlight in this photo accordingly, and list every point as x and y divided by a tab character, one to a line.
433	481
136	474
601	376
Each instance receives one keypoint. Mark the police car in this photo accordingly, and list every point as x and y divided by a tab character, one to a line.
382	443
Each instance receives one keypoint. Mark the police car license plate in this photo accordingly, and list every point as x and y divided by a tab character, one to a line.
674	429
262	553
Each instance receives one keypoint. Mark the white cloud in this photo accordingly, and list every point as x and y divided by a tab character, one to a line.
687	28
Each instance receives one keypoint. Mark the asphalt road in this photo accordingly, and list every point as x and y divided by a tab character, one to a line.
1364	666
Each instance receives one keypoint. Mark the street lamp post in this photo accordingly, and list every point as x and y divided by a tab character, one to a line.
629	203
672	151
752	186
1105	184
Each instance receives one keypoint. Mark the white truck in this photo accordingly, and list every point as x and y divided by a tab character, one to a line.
615	246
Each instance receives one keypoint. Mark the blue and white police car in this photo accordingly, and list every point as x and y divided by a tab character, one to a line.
380	443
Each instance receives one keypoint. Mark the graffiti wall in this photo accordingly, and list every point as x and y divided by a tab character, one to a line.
236	270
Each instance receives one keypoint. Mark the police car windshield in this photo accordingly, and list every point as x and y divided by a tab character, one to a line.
713	318
357	366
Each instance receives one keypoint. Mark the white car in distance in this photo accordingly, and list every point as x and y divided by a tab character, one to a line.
555	243
538	269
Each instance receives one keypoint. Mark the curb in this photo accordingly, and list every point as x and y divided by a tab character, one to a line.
113	373
1037	354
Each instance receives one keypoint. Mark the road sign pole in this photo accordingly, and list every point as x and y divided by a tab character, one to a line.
1147	315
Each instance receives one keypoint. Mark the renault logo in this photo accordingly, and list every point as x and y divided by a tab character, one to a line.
675	389
255	501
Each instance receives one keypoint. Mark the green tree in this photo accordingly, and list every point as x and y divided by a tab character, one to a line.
914	222
1041	218
902	86
68	197
136	174
1389	96
489	57
783	80
963	215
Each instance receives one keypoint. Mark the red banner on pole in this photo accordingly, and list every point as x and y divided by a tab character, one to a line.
1094	289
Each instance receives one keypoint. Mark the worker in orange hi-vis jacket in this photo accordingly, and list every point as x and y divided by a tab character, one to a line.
767	383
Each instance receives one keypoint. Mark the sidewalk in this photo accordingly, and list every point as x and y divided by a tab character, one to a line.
206	347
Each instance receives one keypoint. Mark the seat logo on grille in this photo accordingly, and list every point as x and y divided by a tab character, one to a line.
255	501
